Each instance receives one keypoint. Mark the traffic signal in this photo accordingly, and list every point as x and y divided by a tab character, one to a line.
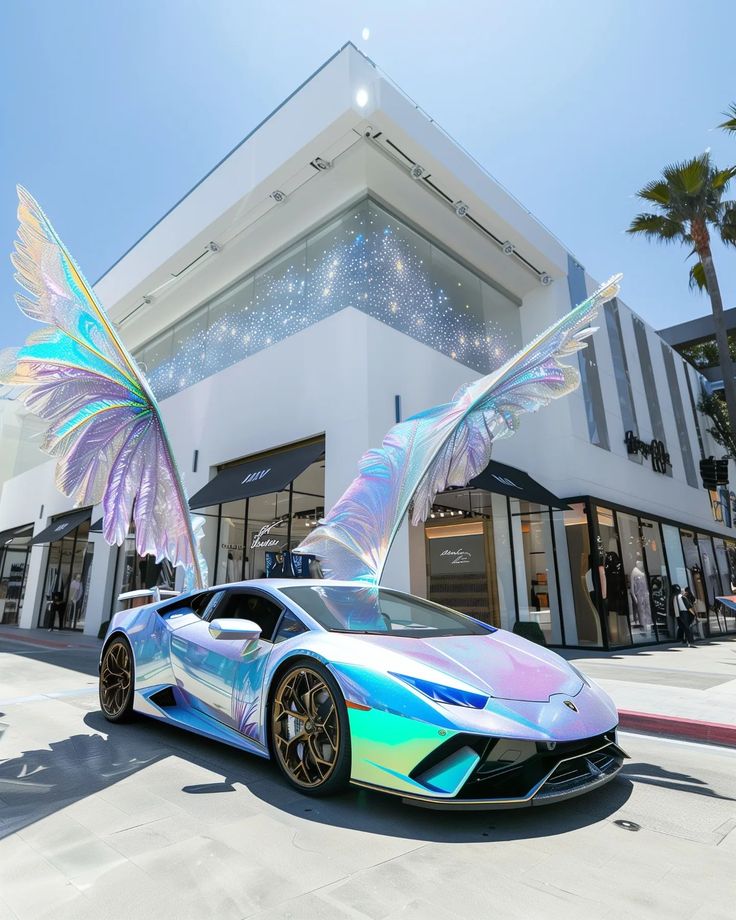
722	471
708	473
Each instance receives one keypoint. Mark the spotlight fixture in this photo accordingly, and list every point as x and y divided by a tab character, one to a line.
147	299
417	171
321	164
278	196
212	246
545	279
508	248
461	209
370	131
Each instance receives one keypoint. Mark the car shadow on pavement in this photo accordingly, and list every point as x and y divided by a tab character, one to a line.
41	782
654	775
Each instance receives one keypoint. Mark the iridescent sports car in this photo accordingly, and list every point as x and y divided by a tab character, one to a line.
342	683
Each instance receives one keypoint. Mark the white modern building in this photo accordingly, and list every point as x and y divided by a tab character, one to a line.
347	265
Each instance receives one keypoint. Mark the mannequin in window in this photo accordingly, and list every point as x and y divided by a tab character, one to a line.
590	583
615	580
640	593
76	591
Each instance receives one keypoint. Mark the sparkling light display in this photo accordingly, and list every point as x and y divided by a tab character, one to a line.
366	259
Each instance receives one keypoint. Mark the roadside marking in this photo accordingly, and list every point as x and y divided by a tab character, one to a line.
681	741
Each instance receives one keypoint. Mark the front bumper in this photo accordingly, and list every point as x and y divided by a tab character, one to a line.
540	775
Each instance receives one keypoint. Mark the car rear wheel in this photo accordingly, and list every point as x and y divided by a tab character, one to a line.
116	681
310	735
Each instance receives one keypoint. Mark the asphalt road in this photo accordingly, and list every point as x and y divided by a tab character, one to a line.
101	821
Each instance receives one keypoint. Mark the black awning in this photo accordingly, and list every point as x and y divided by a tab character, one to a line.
507	480
62	526
257	477
16	535
97	526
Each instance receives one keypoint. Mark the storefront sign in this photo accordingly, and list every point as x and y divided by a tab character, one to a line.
254	477
457	555
261	539
654	450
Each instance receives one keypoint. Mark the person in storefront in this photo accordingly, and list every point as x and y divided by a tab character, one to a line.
57	610
685	616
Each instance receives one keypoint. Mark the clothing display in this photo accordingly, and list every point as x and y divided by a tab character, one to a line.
640	593
616	583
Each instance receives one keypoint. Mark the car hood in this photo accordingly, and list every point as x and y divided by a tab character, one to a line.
501	664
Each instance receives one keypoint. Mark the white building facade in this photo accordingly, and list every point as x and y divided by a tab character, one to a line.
348	265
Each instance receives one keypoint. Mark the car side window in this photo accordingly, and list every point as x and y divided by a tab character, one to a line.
242	605
289	627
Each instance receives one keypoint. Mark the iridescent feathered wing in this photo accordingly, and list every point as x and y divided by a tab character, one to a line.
105	427
445	446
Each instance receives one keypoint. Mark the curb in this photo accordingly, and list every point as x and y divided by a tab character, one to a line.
674	727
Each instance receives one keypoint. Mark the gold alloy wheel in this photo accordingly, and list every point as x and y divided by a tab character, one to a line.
306	727
115	679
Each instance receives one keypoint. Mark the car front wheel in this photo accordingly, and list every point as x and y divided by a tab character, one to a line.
310	736
116	681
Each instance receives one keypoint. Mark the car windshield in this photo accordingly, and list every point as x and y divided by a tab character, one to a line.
379	611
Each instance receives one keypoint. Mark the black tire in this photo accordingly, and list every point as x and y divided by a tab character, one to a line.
309	729
117	678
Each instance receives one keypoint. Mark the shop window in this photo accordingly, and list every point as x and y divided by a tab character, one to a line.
588	575
636	575
461	564
14	557
66	585
535	570
660	594
711	583
695	579
614	585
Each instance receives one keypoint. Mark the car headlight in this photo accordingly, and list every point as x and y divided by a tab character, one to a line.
579	674
440	693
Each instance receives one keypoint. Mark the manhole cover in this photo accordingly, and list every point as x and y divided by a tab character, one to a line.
628	825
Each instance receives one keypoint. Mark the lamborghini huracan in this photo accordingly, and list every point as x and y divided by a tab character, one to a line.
340	683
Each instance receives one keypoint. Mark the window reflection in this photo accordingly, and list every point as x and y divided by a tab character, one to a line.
588	576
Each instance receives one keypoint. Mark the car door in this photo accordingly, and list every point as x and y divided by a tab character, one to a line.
223	677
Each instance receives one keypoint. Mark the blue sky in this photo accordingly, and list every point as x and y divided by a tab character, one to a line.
110	111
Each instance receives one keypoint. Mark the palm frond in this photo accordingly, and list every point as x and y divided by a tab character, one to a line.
727	226
689	177
660	228
657	192
730	123
697	281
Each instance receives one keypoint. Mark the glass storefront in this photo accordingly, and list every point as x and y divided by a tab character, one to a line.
496	558
14	554
254	536
66	582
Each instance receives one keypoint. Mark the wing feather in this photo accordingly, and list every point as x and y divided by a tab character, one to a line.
445	446
105	427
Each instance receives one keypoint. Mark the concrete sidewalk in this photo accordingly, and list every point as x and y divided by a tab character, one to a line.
669	689
50	639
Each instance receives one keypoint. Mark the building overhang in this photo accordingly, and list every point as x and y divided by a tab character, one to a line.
345	132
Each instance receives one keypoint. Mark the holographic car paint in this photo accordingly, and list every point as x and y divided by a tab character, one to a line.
221	689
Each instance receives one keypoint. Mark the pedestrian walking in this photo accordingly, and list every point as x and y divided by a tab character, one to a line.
685	616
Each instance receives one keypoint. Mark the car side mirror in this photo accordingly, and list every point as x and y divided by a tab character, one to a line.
242	630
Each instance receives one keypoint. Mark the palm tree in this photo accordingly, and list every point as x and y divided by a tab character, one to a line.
689	203
730	123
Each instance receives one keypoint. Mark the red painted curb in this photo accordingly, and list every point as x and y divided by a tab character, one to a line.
673	726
